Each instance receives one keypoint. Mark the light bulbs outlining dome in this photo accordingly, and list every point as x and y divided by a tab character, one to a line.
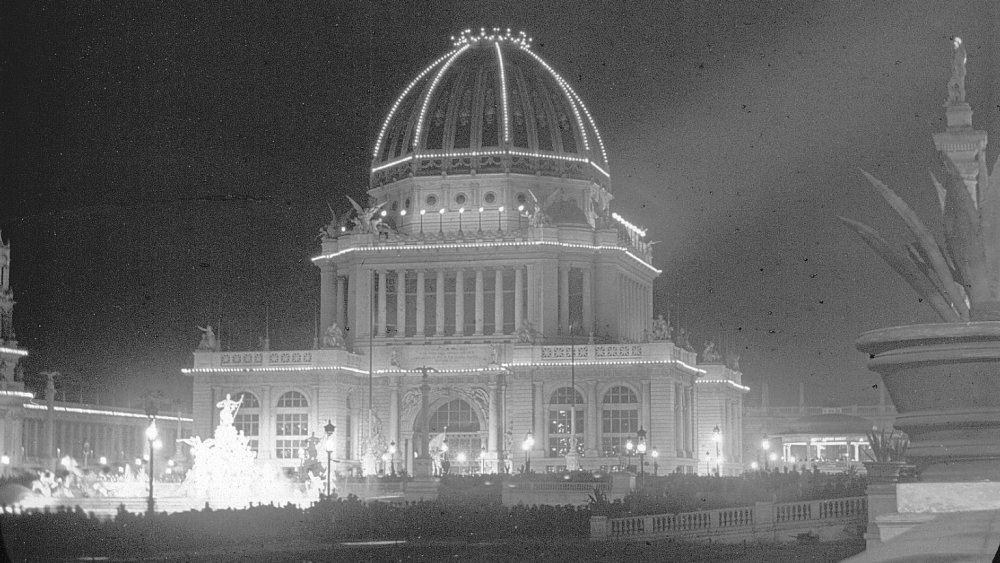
542	101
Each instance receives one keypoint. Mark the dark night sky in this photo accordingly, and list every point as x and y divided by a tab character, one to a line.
165	166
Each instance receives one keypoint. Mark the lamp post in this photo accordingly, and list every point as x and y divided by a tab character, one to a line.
461	211
656	466
151	435
717	437
641	448
4	461
482	461
629	446
441	220
765	445
520	212
392	458
526	445
480	219
500	219
329	446
422	213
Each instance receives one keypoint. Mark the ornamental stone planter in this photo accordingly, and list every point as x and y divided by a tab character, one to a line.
945	382
885	471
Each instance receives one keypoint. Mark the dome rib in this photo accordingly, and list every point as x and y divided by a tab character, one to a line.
399	100
490	105
417	142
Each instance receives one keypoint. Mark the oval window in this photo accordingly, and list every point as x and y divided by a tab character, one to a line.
432	200
460	199
490	198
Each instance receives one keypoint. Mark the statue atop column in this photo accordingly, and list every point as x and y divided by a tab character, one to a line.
956	85
661	330
526	333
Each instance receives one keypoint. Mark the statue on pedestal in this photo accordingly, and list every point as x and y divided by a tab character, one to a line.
228	407
956	85
661	330
710	355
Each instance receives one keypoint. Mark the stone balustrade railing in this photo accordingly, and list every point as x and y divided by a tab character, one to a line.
762	521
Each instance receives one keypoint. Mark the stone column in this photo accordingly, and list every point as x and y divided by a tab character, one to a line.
394	410
494	419
518	296
498	302
265	439
460	302
380	325
421	305
588	301
400	303
647	410
327	275
480	302
339	305
439	305
564	300
541	420
590	438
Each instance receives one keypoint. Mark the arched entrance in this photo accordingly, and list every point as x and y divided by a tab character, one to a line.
457	423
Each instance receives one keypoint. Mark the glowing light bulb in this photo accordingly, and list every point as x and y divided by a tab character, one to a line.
441	211
423	212
402	213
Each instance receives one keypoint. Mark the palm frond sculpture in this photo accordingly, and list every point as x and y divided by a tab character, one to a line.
960	279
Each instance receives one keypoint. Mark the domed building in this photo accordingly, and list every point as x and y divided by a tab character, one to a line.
485	293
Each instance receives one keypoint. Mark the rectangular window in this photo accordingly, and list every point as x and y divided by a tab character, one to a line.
615	421
288	449
249	424
292	424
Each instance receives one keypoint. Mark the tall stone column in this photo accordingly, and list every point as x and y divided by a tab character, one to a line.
518	297
494	420
541	420
590	438
421	303
327	284
498	302
439	305
459	302
480	302
564	300
647	409
400	303
339	305
265	438
588	301
394	410
380	326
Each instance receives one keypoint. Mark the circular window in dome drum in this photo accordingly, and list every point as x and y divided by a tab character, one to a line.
432	200
521	198
490	198
460	199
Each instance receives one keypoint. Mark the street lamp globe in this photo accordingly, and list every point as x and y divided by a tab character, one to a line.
151	432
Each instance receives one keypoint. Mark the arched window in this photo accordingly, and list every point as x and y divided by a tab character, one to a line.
619	420
560	425
247	419
291	425
460	424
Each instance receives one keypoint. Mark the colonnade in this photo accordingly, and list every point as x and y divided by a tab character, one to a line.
635	301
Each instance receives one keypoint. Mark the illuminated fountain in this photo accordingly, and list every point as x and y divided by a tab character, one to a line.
225	472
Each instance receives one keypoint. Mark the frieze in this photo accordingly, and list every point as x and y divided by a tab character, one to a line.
242	358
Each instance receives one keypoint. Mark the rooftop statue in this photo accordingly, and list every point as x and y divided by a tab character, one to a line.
956	86
661	330
334	338
710	354
526	333
208	340
367	220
